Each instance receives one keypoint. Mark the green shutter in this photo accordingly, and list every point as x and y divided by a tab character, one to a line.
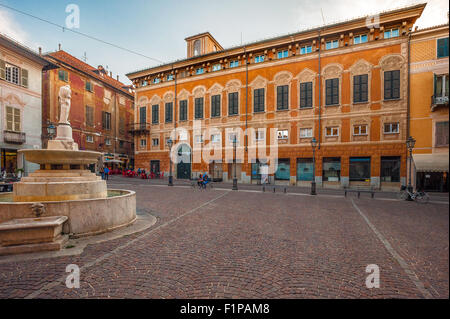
2	69
24	78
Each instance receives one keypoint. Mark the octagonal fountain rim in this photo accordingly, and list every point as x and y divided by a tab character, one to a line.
46	156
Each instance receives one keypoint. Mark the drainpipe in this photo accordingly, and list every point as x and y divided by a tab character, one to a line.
408	106
320	96
175	100
246	99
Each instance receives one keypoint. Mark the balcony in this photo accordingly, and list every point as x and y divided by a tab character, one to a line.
14	137
138	129
438	101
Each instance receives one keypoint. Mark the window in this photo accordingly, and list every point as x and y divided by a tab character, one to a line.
143	143
306	132
12	119
360	169
198	108
305	95
362	38
156	80
215	105
106	120
306	49
215	138
332	131
233	136
108	141
391	128
122	124
88	86
283	169
392	85
304	169
233	103
183	110
332	92
360	129
89	116
441	86
200	71
442	134
332	44
282	134
199	139
442	48
170	77
258	100
390	169
121	144
259	58
155	141
169	112
391	33
216	67
260	135
331	169
234	63
89	139
63	75
360	88
282	97
155	114
144	83
197	47
13	74
283	54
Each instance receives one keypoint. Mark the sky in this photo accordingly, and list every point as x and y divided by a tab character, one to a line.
157	28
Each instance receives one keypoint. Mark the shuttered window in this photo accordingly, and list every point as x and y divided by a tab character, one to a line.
392	85
282	97
169	112
332	92
258	100
233	103
199	108
106	120
24	78
63	75
360	88
442	138
89	116
183	110
305	95
215	105
12	119
442	48
2	69
155	114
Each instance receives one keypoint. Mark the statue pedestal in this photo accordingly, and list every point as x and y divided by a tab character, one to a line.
63	140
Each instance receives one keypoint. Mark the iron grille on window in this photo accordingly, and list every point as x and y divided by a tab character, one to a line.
183	110
233	103
258	102
199	108
360	88
332	92
169	112
392	85
215	105
305	95
282	97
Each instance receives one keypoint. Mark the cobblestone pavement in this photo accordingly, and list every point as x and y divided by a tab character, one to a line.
248	244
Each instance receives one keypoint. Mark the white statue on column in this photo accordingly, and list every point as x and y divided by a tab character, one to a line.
64	101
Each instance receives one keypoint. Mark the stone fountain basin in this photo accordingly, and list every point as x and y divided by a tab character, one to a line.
60	156
22	231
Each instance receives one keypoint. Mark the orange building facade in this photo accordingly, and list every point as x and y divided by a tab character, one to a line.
344	85
102	108
429	108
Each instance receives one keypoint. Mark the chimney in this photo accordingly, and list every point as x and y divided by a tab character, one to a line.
59	46
110	74
40	51
117	77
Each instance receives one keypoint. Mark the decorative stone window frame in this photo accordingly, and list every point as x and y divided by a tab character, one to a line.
155	100
332	123
392	62
332	71
232	86
360	121
14	101
258	83
280	79
283	126
200	92
361	67
216	89
155	137
401	120
307	75
183	95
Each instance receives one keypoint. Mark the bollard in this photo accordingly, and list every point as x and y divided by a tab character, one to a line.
285	190
274	189
264	188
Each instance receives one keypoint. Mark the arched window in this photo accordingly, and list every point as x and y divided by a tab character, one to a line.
196	47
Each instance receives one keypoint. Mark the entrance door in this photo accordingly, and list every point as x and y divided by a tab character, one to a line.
154	167
184	162
215	171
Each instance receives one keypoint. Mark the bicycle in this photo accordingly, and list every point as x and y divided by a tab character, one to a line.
418	196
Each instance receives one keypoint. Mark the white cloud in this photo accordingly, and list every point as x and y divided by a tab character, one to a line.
11	28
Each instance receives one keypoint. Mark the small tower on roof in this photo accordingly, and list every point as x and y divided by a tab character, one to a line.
201	44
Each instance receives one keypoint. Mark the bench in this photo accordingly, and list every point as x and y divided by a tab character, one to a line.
359	191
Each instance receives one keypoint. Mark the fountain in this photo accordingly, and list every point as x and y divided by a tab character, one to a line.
76	202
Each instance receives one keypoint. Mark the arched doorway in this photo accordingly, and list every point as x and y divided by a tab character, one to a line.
184	162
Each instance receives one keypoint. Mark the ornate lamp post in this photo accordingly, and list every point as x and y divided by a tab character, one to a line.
410	142
313	183
51	130
170	143
235	188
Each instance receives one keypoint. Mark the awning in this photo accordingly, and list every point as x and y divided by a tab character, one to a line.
113	161
431	162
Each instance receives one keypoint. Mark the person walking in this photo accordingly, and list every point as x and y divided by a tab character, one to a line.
106	172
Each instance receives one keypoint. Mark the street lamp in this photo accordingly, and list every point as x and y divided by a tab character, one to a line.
235	188
170	143
410	142
51	130
313	183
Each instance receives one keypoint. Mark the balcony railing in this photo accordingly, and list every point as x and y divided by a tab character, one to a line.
137	129
14	137
438	100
